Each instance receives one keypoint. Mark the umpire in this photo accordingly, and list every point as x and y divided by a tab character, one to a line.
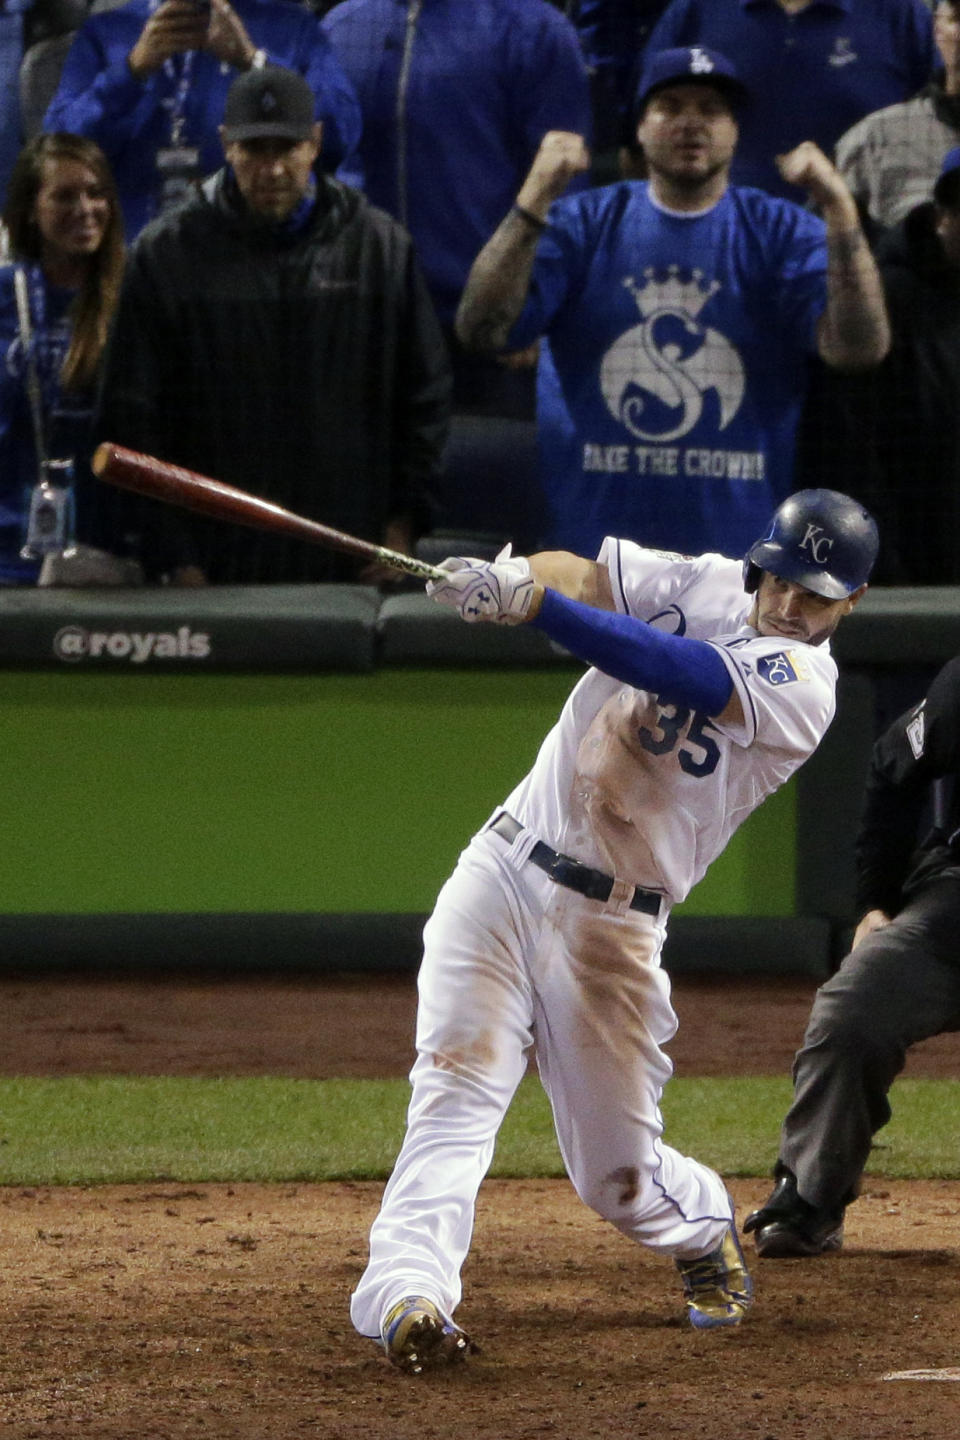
900	983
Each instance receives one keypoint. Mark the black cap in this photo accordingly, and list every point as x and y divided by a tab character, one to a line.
270	102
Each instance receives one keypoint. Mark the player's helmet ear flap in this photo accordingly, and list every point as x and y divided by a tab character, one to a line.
819	539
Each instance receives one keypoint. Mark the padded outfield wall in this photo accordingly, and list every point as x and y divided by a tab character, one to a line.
297	792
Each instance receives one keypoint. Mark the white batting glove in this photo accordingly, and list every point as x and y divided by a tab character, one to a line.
494	590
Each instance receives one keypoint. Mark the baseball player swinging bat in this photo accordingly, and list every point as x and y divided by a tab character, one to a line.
147	475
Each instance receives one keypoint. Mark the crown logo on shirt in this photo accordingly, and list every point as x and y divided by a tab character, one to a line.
687	297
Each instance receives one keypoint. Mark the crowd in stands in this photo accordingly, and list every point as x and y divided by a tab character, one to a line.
509	269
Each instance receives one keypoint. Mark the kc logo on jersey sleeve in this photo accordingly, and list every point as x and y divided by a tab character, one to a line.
783	668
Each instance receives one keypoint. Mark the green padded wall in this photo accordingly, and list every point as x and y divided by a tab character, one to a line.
324	793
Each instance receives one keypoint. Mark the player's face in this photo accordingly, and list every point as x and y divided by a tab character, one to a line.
784	608
688	134
273	174
71	211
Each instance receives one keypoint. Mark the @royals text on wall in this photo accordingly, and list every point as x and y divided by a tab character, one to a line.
75	643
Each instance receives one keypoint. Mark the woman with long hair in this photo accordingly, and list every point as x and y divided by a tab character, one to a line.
64	234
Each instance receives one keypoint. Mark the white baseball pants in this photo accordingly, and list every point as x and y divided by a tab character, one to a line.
513	960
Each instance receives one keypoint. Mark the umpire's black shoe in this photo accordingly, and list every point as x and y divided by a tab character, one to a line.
787	1226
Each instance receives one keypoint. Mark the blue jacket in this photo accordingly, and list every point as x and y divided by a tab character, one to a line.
11	58
811	75
456	96
129	118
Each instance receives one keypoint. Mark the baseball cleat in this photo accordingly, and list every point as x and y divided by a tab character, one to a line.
716	1287
416	1336
787	1226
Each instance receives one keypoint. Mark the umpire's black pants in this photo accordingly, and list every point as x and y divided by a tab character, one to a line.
900	986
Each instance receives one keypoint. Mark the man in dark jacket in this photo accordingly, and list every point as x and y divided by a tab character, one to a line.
275	333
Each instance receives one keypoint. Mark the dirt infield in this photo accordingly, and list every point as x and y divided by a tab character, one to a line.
160	1312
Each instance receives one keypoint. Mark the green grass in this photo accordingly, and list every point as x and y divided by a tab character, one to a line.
100	1129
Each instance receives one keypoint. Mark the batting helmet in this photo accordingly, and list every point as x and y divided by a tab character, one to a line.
819	539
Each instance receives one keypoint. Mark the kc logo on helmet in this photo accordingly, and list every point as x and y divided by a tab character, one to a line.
818	542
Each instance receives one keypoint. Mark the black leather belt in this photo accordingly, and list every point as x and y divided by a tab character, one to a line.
564	871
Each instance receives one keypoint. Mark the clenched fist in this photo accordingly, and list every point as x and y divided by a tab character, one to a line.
561	156
809	168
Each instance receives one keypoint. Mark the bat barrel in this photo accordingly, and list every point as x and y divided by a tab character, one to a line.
161	480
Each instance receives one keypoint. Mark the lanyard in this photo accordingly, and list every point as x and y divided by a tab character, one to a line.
182	82
31	377
43	344
51	340
179	71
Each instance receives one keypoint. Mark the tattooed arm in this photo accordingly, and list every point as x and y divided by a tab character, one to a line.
854	330
497	285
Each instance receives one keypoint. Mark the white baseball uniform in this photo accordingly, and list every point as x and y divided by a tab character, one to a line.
648	794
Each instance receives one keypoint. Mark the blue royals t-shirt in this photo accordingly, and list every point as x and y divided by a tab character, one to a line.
674	365
673	368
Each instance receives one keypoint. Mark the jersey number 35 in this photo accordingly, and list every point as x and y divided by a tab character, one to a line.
699	753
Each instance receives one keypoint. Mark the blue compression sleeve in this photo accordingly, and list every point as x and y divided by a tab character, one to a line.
680	670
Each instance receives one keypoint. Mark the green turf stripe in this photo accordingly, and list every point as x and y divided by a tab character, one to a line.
100	1129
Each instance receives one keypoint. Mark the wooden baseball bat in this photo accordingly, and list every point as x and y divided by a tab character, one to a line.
147	475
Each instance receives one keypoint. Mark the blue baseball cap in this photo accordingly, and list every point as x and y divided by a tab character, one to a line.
947	189
689	64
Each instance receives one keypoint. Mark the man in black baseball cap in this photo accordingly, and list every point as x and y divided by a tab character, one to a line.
275	331
271	140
